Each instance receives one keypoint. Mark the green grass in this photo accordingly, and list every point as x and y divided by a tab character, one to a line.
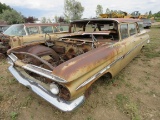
12	81
127	107
152	49
149	51
1	78
14	115
28	101
1	97
90	118
3	62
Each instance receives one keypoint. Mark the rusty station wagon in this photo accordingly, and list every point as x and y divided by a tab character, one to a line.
62	71
27	33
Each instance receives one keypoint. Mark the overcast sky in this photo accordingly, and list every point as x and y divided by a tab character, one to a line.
50	8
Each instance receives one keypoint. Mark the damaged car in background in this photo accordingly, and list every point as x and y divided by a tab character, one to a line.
27	33
62	71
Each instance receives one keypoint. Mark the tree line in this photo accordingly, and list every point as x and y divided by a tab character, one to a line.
73	10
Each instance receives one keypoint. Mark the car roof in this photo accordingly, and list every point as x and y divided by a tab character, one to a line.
118	20
4	25
41	24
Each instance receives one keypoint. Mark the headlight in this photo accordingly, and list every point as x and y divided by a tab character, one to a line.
54	88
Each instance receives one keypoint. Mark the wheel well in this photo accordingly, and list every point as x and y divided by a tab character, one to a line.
107	76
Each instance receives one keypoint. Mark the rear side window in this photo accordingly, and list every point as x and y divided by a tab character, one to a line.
132	29
55	29
140	24
124	31
63	28
32	30
46	29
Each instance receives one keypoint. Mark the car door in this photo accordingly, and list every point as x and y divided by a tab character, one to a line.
139	37
126	45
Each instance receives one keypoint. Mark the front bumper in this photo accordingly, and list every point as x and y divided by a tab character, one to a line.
47	95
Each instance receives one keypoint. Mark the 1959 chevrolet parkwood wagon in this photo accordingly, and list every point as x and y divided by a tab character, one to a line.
62	71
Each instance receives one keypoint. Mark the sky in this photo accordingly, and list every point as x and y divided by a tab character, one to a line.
50	8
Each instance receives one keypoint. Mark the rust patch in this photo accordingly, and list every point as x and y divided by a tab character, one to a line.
86	62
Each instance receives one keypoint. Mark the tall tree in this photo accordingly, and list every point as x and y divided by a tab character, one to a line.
157	16
56	18
61	19
29	19
4	7
150	12
49	20
108	11
146	13
99	10
43	20
73	10
12	17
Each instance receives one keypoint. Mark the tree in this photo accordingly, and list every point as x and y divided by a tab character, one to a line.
12	17
49	20
4	7
56	18
157	15
43	20
150	12
73	10
30	19
108	11
99	10
59	19
146	13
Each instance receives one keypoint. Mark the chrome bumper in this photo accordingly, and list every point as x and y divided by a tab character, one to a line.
47	95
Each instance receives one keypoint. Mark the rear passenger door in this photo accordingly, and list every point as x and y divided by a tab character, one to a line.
137	39
126	43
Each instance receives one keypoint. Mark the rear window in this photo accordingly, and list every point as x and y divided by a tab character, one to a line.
46	29
64	28
132	29
32	30
140	24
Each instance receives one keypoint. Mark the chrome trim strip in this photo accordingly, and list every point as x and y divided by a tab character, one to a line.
43	72
108	66
13	57
93	77
45	94
38	70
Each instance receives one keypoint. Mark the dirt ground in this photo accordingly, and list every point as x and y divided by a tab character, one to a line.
134	94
